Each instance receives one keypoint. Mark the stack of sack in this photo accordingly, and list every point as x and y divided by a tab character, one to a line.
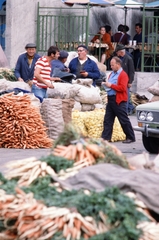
86	96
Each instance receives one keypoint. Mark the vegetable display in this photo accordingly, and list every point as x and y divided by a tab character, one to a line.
90	124
21	124
41	212
34	204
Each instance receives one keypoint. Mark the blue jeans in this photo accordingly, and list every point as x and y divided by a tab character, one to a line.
130	107
40	93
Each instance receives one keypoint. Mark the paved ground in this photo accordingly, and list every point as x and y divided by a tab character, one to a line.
129	150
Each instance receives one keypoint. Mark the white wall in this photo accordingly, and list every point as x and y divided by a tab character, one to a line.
21	17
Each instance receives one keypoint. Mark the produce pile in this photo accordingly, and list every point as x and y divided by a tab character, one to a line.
91	124
35	206
42	212
21	124
65	160
7	74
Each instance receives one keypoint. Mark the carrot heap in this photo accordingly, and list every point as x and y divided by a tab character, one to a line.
79	152
21	124
27	170
33	220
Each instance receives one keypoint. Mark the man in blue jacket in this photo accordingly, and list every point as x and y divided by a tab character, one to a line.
24	69
83	67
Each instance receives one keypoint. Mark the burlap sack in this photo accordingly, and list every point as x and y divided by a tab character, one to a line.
34	100
154	89
77	106
8	85
63	90
88	95
67	106
84	81
51	112
87	107
154	98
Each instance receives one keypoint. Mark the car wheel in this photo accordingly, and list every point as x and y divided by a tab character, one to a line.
151	144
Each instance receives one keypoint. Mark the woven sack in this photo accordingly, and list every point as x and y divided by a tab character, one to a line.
154	98
67	106
51	112
154	89
77	106
88	95
63	90
87	107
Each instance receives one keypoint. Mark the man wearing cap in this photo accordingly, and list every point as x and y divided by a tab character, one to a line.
83	67
24	69
128	67
60	62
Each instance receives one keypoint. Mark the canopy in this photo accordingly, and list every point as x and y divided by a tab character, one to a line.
128	4
90	2
152	4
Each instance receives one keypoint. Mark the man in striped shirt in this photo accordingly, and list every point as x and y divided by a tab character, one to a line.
42	79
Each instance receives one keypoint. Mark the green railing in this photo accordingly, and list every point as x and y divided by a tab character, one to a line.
63	27
150	40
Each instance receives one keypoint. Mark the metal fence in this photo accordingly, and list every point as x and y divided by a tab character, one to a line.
150	43
63	27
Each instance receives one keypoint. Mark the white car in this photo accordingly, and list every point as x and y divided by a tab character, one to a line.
148	124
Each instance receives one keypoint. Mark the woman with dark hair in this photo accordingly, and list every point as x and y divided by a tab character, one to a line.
103	37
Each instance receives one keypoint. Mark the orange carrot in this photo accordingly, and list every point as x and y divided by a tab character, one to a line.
61	223
79	147
88	156
74	232
68	154
66	230
26	226
61	147
74	152
81	155
77	223
85	236
19	191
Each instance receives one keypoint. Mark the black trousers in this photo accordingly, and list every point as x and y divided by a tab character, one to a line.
114	110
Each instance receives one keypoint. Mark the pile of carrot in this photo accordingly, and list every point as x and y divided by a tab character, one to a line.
78	152
33	220
21	123
27	170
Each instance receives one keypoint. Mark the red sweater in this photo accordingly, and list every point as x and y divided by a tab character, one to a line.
121	87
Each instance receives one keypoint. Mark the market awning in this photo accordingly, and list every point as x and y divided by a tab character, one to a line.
152	4
128	4
90	2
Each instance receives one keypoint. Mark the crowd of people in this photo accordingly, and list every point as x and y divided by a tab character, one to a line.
106	36
40	73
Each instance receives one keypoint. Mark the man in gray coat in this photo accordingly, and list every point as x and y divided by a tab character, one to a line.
128	67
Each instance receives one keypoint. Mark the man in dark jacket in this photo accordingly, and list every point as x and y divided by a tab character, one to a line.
83	67
24	69
128	67
120	36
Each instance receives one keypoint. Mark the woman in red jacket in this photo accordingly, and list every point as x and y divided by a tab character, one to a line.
103	37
